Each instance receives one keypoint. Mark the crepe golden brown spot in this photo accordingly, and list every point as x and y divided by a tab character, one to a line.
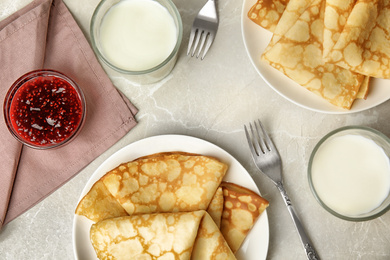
216	207
298	54
242	207
184	235
364	43
267	13
99	204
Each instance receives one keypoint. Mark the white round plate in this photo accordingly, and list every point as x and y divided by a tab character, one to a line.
255	247
256	40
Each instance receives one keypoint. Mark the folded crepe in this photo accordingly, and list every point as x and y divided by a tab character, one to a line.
298	54
242	207
291	14
99	204
267	13
163	182
215	208
335	18
183	235
364	43
364	88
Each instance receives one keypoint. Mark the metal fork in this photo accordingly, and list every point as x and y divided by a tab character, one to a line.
268	161
204	29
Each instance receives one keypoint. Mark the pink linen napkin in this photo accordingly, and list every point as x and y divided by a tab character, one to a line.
45	35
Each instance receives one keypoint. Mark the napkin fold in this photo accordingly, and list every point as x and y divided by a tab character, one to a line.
44	35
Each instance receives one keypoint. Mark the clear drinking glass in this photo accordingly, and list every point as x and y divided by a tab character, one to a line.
371	134
146	76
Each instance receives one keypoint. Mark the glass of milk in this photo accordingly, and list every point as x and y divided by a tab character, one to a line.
349	173
138	39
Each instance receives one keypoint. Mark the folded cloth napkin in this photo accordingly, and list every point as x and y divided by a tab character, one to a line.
44	35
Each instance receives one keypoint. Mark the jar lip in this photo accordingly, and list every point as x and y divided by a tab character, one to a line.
38	74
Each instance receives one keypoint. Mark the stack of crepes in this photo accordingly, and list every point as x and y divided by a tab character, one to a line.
170	205
330	47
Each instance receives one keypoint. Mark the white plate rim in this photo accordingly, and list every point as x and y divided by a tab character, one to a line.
257	242
256	39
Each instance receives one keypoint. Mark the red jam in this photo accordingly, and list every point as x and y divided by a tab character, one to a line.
46	110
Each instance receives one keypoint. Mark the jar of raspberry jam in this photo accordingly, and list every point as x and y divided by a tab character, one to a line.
44	109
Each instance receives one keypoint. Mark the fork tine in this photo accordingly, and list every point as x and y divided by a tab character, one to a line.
203	38
191	41
197	38
266	140
260	132
257	140
204	29
250	141
210	40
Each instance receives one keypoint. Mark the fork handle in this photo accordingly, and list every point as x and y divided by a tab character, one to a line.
311	253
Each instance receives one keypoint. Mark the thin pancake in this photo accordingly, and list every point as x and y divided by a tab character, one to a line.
210	243
143	236
336	15
364	44
184	235
99	204
216	207
298	54
267	13
166	182
364	88
242	207
291	14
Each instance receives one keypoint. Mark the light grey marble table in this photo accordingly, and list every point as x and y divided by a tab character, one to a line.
212	99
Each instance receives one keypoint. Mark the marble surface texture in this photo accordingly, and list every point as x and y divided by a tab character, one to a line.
212	99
